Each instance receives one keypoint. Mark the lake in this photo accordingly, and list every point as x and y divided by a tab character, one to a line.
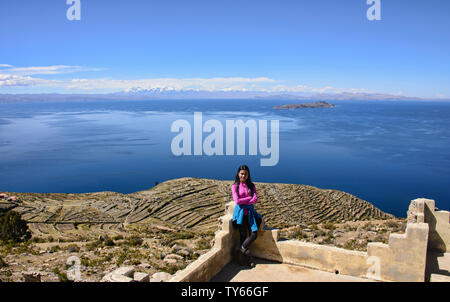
385	152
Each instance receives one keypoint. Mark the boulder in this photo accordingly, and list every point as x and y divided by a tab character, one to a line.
173	259
160	277
31	276
127	271
144	266
122	274
141	277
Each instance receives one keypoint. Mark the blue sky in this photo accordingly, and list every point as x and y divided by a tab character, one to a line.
300	46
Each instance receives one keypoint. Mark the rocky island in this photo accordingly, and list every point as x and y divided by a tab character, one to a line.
320	104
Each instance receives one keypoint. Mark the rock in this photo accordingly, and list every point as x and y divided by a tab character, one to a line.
144	265
141	277
112	277
31	276
177	247
183	252
127	271
122	274
170	261
337	232
173	258
160	277
361	242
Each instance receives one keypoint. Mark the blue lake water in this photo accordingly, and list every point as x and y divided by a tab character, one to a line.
385	152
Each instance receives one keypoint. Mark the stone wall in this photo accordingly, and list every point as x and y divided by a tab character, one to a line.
423	210
402	259
211	263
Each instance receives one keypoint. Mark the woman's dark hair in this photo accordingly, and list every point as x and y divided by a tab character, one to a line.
249	182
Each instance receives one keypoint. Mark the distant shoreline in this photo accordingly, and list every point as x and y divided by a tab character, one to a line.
197	95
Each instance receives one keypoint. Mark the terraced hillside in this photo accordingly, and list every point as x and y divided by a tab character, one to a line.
194	204
164	229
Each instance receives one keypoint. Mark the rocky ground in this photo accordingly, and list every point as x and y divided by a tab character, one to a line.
353	235
151	251
165	228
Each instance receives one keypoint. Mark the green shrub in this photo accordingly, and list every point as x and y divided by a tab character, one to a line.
62	277
299	234
314	227
54	249
13	228
183	235
73	248
2	263
134	241
392	224
121	259
109	242
203	244
93	245
37	240
329	226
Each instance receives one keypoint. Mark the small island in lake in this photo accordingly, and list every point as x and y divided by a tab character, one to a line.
320	104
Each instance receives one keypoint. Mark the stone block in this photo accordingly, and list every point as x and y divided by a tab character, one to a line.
31	276
141	277
160	277
127	271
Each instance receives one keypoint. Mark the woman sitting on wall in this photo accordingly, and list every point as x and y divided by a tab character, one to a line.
245	217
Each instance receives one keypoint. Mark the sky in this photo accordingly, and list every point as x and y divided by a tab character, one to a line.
312	46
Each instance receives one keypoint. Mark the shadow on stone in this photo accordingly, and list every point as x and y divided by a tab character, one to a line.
432	266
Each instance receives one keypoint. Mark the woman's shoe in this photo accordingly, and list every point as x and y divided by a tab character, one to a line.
250	262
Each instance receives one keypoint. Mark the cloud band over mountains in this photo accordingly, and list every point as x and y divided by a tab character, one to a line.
11	76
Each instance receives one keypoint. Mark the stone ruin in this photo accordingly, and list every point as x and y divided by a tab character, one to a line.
413	256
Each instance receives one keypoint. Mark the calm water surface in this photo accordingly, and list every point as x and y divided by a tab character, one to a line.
385	152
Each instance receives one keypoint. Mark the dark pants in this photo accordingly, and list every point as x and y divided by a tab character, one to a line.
245	229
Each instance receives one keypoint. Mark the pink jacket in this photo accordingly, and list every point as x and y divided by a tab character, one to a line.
244	197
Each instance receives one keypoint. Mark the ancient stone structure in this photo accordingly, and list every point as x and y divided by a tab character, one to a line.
404	258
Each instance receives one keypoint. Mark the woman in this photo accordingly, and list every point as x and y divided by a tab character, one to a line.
245	218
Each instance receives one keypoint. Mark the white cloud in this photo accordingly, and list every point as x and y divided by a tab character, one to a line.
15	80
205	84
260	84
55	69
22	76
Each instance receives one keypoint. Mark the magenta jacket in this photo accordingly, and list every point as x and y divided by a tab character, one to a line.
243	197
